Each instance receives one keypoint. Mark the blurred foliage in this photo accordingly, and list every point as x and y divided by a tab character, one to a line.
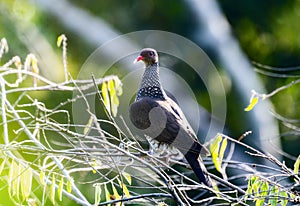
268	32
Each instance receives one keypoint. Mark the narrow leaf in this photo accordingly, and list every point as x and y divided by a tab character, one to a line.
104	92
115	192
214	149
127	177
253	102
60	39
283	198
42	177
264	189
107	194
124	188
222	150
25	181
60	188
52	189
2	165
118	86
259	202
273	196
97	193
296	166
13	183
69	185
113	98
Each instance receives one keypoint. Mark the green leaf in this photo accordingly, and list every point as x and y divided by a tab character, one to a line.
42	177
259	202
253	102
13	183
124	188
97	194
127	177
60	39
25	181
283	198
60	188
115	192
222	150
118	86
107	194
2	166
113	97
52	189
256	186
214	149
106	101
296	167
264	189
69	185
273	195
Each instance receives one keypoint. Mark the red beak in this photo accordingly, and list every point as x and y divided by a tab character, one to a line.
139	58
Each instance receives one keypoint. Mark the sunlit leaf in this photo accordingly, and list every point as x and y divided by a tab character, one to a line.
52	189
283	198
60	188
107	194
264	189
97	193
113	97
256	186
13	183
127	177
124	188
104	92
118	86
273	195
259	202
69	185
115	193
222	150
25	181
42	177
253	102
296	167
214	150
2	165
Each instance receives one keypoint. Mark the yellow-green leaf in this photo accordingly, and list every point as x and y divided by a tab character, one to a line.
127	177
2	165
60	188
42	177
273	195
259	202
113	97
296	166
13	183
52	189
124	188
264	189
107	194
118	86
283	198
97	193
25	181
88	126
115	192
253	102
104	92
214	150
222	150
69	185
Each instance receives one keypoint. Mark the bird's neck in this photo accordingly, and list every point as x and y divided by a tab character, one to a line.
150	85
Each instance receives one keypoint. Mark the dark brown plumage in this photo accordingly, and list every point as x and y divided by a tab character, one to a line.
162	119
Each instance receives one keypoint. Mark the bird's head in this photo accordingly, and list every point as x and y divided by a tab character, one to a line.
148	56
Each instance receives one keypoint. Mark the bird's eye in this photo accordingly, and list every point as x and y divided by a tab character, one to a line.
151	54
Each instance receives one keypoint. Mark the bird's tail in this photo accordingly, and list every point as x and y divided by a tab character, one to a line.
198	167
